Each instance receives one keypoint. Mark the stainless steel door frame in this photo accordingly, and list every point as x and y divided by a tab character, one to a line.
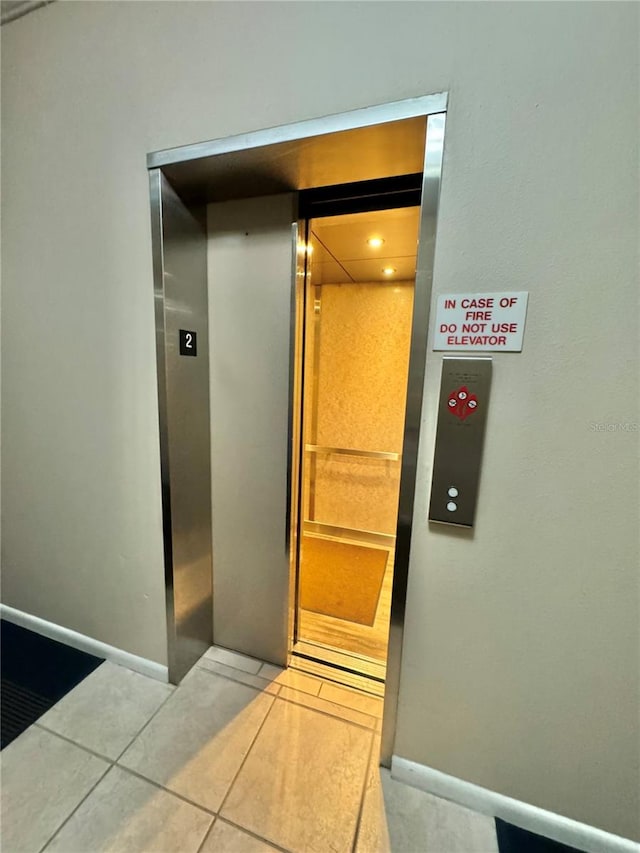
432	176
204	162
264	162
295	448
180	291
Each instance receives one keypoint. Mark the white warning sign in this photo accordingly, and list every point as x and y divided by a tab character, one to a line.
481	321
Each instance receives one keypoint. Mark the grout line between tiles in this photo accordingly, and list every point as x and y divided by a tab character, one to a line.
207	834
114	763
323	682
93	751
73	811
244	760
363	794
254	835
232	652
348	689
327	681
75	743
111	762
239	680
166	790
139	732
371	728
301	704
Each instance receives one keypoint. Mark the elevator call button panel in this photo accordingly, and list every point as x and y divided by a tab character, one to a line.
462	415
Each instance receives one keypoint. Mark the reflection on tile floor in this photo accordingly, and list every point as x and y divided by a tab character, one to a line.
240	758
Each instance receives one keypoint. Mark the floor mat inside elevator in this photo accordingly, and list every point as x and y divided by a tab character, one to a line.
340	579
36	673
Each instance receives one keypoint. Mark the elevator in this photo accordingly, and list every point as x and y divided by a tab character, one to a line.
354	346
251	485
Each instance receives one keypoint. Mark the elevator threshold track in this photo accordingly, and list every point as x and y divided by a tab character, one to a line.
347	669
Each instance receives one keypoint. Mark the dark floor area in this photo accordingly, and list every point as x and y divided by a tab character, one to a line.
36	673
512	839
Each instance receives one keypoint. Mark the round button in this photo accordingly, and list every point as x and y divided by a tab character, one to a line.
452	507
453	492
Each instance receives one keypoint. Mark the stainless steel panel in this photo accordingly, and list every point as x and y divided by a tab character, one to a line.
417	364
294	461
250	297
293	434
301	132
348	534
310	429
462	416
384	151
180	286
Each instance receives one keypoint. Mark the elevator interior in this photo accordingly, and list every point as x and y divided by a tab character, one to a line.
354	347
229	534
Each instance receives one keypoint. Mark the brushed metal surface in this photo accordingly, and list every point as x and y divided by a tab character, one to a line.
340	659
345	451
302	133
250	269
180	289
347	534
311	406
457	458
385	150
417	364
294	461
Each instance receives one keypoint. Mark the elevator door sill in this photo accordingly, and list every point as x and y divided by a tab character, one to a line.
350	670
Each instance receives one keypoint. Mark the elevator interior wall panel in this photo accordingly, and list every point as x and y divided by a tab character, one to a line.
180	266
250	262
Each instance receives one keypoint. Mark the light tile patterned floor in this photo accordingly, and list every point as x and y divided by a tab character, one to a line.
242	757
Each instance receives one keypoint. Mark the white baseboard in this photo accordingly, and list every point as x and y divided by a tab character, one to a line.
84	643
551	825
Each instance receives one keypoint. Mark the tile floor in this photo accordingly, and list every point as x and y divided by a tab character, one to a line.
242	757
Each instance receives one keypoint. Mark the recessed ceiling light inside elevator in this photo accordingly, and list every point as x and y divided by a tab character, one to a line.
342	251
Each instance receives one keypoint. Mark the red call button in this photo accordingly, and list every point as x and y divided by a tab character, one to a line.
461	403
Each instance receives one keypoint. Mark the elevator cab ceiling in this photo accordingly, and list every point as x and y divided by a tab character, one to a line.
379	246
299	157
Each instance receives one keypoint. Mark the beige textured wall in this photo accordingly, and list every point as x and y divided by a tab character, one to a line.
359	394
520	666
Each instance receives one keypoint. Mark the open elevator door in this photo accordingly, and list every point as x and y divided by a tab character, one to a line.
354	331
400	138
249	319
